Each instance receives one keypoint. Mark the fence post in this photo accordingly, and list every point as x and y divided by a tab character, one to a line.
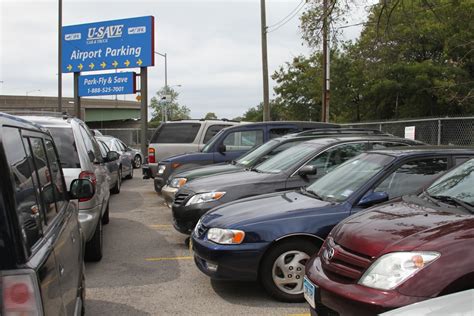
439	132
380	127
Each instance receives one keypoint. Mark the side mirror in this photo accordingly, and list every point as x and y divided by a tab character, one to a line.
307	171
112	156
373	198
81	189
222	148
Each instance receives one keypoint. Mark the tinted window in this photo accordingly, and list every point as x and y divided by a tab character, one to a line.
176	133
88	143
60	191
382	145
333	157
66	145
27	207
277	132
287	159
411	176
212	131
243	140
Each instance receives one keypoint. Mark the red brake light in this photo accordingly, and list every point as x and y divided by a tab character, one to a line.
89	176
19	294
151	155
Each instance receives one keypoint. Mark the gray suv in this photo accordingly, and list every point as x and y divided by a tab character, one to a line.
81	158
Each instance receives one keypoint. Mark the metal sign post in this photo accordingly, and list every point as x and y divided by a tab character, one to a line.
77	98
144	109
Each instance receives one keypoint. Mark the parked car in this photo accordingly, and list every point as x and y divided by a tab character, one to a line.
229	144
80	158
271	237
113	166
257	156
293	168
406	251
179	137
460	303
126	156
41	248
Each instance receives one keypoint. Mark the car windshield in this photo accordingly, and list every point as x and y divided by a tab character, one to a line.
456	184
286	159
340	183
251	157
210	143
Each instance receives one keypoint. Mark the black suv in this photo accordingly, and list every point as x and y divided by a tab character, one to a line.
41	244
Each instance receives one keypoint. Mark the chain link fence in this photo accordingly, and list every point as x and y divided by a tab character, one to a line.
434	131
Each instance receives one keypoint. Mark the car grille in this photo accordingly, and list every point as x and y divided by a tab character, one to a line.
180	198
342	264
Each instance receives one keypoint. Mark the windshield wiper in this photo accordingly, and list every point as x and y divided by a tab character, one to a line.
455	201
429	197
311	193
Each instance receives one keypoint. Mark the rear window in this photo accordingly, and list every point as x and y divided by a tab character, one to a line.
66	146
176	133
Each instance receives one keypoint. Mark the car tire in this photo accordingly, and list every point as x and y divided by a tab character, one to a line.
118	184
105	217
130	175
94	246
137	161
282	269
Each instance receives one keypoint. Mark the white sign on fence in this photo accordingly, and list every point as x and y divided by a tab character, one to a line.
410	132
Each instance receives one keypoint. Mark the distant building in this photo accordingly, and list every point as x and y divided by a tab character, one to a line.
97	113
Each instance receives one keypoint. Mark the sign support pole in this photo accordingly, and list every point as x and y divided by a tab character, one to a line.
77	98
144	109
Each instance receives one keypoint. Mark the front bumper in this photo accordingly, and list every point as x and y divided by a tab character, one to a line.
88	219
185	217
168	193
353	299
228	262
158	183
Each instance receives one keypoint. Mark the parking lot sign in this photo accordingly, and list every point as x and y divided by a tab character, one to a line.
107	84
125	43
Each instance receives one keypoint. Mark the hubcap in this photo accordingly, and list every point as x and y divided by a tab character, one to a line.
138	161
288	271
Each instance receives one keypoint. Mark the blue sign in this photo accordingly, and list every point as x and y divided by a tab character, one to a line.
126	43
107	84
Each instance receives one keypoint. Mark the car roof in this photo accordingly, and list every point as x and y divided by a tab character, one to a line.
301	124
423	150
50	121
349	138
7	119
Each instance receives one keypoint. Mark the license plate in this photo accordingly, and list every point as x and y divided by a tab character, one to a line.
309	291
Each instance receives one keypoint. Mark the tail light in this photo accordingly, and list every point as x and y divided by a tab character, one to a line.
20	294
151	155
89	176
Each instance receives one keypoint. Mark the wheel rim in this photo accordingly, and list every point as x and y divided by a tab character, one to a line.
137	161
288	271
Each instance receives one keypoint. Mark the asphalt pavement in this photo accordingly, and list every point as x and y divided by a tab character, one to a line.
147	269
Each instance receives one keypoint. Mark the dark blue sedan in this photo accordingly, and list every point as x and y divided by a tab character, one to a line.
270	237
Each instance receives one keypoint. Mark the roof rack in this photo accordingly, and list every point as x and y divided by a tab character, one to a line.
343	131
63	115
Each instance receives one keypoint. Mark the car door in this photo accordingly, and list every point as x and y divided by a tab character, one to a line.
37	237
325	161
112	166
126	156
239	142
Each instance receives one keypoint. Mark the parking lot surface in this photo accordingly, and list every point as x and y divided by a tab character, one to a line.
148	270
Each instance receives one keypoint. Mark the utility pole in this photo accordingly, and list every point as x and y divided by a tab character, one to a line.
60	74
266	99
326	63
164	111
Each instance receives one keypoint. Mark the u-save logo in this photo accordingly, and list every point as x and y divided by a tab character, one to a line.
104	32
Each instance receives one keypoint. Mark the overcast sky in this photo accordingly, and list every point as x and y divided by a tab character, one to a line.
213	47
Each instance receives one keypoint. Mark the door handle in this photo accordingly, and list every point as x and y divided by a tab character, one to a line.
61	270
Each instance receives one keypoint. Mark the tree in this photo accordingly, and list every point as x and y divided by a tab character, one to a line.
210	116
174	110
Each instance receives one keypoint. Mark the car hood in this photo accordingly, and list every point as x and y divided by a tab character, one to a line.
224	181
206	171
268	207
403	225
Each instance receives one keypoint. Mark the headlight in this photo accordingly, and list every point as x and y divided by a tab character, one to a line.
178	182
392	269
161	169
225	236
205	197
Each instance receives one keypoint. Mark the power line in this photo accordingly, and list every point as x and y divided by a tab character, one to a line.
287	18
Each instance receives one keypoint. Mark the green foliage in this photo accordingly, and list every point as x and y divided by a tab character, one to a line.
174	109
210	116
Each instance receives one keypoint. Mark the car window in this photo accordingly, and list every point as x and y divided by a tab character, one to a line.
27	207
60	191
103	148
335	156
460	160
176	133
287	159
44	175
66	145
280	131
212	131
88	143
243	140
411	176
120	145
383	145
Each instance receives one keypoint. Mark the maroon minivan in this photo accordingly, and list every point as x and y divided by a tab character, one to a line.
404	251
